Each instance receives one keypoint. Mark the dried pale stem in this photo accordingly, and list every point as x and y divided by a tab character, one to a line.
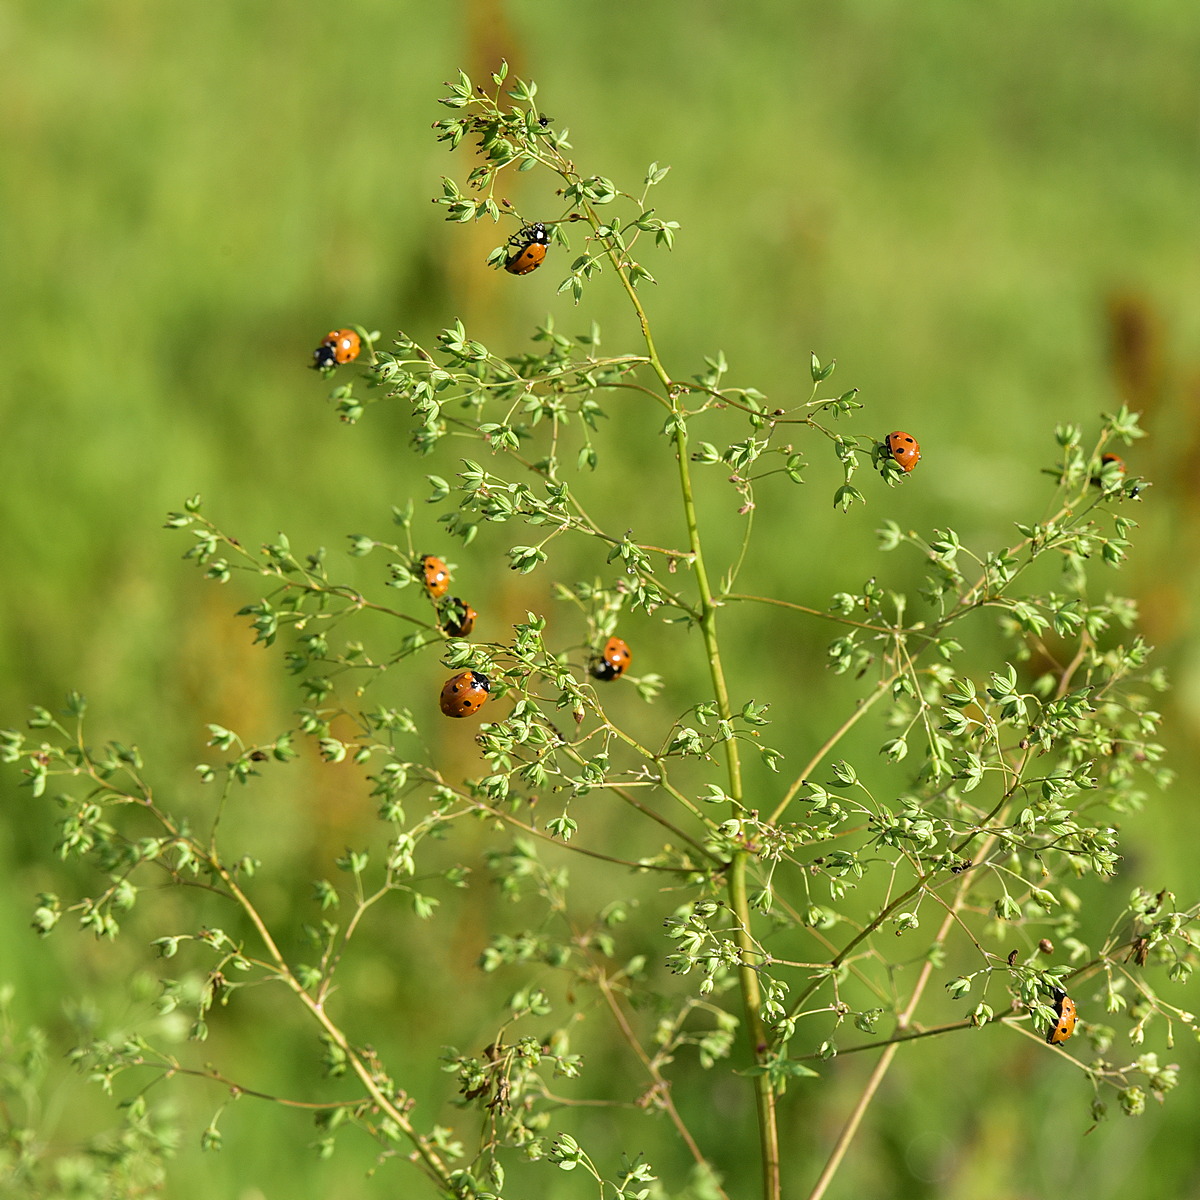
882	1066
662	1086
171	1066
428	1156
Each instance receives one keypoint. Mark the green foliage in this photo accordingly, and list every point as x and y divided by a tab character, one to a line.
941	831
129	1160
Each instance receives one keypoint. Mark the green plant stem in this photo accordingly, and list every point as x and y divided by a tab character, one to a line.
932	1031
765	1097
836	618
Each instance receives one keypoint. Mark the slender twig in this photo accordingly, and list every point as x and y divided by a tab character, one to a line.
662	1086
863	707
429	1156
171	1066
836	618
882	1066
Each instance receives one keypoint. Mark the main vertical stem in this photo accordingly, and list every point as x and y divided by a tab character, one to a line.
739	902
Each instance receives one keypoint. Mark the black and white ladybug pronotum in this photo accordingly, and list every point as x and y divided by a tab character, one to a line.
613	660
529	251
340	346
465	694
1064	1021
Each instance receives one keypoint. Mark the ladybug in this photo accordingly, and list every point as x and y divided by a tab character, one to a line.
1064	1024
458	618
1105	459
464	694
613	660
904	449
437	575
531	244
339	346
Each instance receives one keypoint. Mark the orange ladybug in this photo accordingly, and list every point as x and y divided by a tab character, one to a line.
531	244
437	575
1064	1023
340	346
613	660
904	449
458	617
464	694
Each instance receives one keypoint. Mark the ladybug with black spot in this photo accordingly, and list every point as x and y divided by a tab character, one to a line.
464	694
436	575
904	448
529	251
458	617
1064	1020
613	660
340	346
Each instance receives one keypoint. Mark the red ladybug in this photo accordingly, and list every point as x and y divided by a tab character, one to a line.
1064	1023
464	694
613	660
458	617
437	575
904	449
531	244
339	346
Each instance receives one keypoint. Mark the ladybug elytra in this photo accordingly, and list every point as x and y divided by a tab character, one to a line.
1064	1022
530	250
437	575
464	694
458	618
339	346
904	449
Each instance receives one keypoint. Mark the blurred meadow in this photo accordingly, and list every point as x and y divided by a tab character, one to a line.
988	214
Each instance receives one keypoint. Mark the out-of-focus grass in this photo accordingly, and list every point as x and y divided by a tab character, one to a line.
942	198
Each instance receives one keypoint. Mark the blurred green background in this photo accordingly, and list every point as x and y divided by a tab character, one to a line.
988	214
